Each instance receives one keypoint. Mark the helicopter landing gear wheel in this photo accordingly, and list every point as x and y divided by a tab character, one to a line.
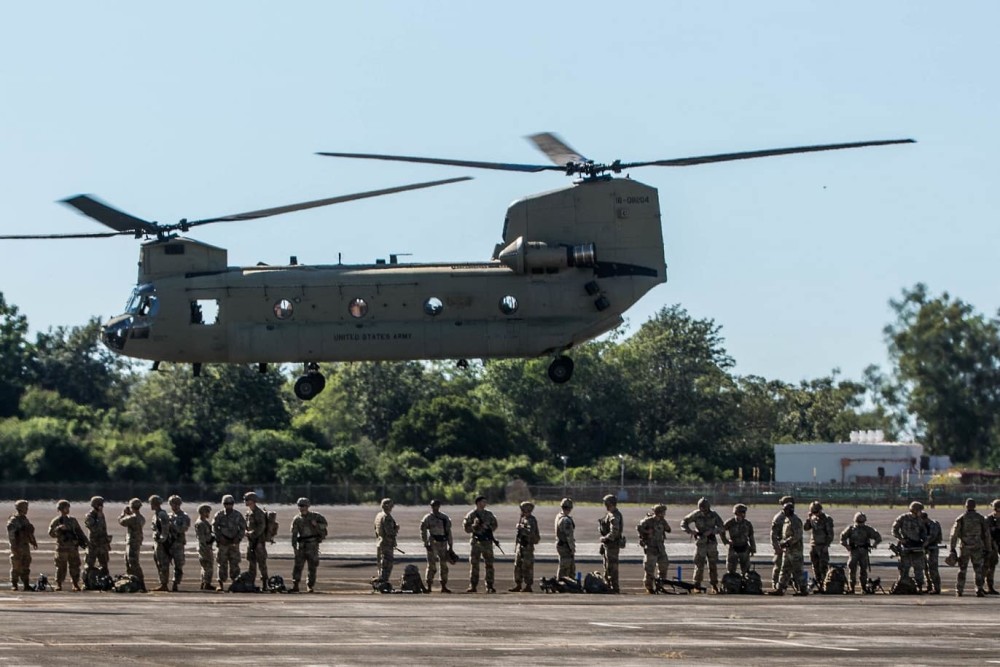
561	369
310	384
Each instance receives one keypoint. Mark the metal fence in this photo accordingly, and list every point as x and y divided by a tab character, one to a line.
349	493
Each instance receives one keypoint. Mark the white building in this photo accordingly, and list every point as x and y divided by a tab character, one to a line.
858	462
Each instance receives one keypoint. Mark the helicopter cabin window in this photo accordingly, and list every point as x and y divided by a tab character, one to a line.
358	308
433	306
508	305
205	311
283	309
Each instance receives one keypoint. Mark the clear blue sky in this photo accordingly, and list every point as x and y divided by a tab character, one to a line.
199	109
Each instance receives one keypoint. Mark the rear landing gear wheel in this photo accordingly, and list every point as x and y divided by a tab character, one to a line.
561	370
310	384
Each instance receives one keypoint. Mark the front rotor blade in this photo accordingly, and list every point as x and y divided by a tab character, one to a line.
263	213
502	166
102	235
558	151
727	157
110	216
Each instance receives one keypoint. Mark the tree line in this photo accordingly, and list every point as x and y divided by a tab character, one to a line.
666	398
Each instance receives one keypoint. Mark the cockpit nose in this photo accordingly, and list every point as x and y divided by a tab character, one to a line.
115	332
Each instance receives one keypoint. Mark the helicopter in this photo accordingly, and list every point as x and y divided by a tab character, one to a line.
569	264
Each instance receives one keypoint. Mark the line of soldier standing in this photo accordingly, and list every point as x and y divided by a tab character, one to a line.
219	539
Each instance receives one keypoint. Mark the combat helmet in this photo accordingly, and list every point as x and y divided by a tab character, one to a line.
96	502
228	500
62	505
995	504
204	507
174	500
249	495
784	500
739	507
135	504
566	504
21	505
527	506
917	505
610	499
860	517
155	500
703	504
386	503
815	506
659	508
970	504
435	503
302	502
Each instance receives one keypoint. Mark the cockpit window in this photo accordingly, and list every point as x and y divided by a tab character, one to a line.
143	301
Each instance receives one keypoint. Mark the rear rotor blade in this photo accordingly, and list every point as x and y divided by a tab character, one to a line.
558	151
727	157
263	213
502	166
109	216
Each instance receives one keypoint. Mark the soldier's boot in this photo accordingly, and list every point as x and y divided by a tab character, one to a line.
160	588
490	589
992	591
310	587
24	583
445	589
76	585
174	587
58	585
526	589
516	588
294	588
776	591
13	585
222	585
958	592
980	593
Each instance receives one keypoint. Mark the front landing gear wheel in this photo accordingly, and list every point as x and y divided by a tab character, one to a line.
561	370
310	384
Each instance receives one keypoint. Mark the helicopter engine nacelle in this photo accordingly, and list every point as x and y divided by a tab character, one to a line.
535	257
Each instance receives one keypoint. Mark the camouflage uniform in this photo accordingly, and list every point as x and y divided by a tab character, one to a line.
820	525
435	533
21	535
777	522
526	537
180	522
970	529
652	532
386	530
859	539
133	523
477	523
707	525
206	556
612	530
229	528
163	538
565	529
911	534
69	540
256	521
100	541
993	557
737	532
934	538
308	530
791	554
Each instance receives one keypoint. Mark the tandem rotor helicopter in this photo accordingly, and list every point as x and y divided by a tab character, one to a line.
570	263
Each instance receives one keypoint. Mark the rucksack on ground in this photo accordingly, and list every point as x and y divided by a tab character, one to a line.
836	581
732	583
276	584
594	583
560	585
752	583
243	584
904	586
412	582
127	583
379	586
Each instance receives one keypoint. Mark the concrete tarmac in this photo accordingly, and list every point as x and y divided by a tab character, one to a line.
345	624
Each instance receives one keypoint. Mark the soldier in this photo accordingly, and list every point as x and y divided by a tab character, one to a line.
737	533
932	546
653	531
133	522
435	533
565	540
911	534
256	520
859	539
612	529
69	540
776	524
480	524
179	522
526	536
229	527
206	556
21	535
163	539
970	528
386	530
100	541
308	530
707	525
791	553
820	525
993	525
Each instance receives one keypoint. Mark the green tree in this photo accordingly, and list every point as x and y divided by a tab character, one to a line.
15	357
140	457
45	450
252	456
947	359
72	361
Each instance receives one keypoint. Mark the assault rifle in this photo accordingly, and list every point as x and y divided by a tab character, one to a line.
487	535
873	585
898	550
676	584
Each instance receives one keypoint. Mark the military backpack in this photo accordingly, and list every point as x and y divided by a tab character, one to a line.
271	530
836	581
127	583
732	583
594	583
752	584
904	586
